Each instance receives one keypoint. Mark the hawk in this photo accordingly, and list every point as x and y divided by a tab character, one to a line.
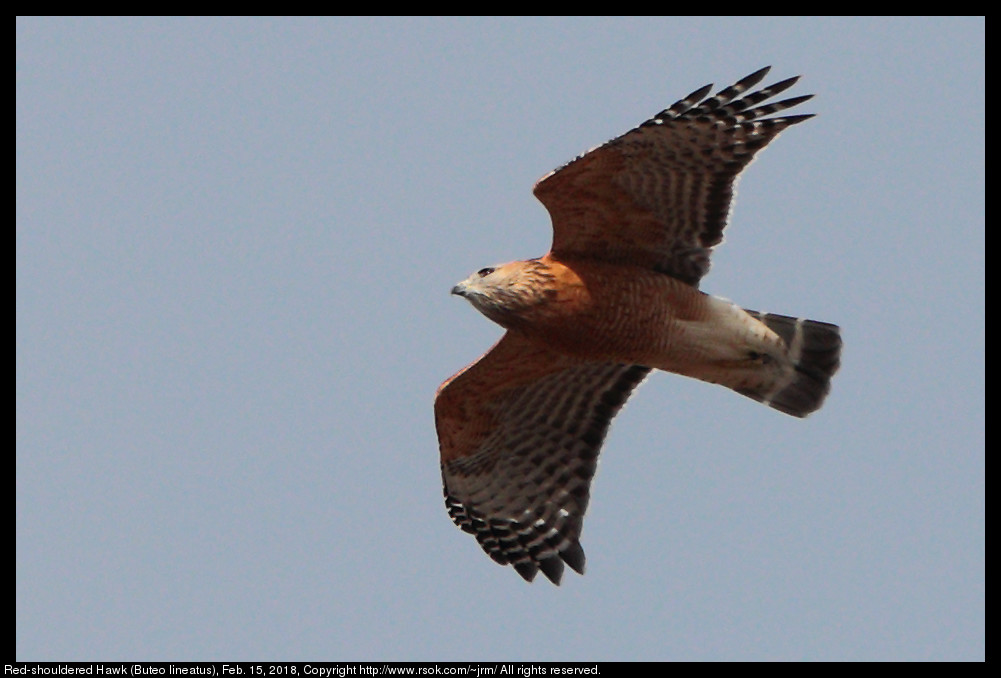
634	222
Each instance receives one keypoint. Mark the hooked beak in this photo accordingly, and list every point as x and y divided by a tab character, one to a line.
459	289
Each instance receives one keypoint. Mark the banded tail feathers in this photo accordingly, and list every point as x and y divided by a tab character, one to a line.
815	355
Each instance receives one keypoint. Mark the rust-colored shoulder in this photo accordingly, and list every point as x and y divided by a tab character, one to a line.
469	405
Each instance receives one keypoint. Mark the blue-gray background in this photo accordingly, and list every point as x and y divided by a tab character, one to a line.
235	242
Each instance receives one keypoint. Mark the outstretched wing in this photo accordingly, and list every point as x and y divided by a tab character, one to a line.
520	431
659	195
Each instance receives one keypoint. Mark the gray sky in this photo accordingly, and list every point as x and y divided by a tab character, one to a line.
235	243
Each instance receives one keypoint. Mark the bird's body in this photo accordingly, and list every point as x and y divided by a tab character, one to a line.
595	311
634	223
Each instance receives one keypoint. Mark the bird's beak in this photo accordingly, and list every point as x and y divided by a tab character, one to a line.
459	289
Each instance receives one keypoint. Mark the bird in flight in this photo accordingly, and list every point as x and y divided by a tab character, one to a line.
634	223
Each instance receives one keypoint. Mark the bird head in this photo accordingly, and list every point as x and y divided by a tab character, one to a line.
506	291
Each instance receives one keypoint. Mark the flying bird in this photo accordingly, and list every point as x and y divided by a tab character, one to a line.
634	223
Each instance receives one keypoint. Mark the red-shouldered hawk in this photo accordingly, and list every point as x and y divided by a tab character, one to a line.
634	221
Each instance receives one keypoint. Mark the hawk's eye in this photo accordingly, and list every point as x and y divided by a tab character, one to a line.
483	272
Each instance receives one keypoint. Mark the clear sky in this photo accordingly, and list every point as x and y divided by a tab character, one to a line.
235	241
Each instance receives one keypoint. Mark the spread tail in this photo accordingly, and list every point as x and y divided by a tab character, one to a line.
814	352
